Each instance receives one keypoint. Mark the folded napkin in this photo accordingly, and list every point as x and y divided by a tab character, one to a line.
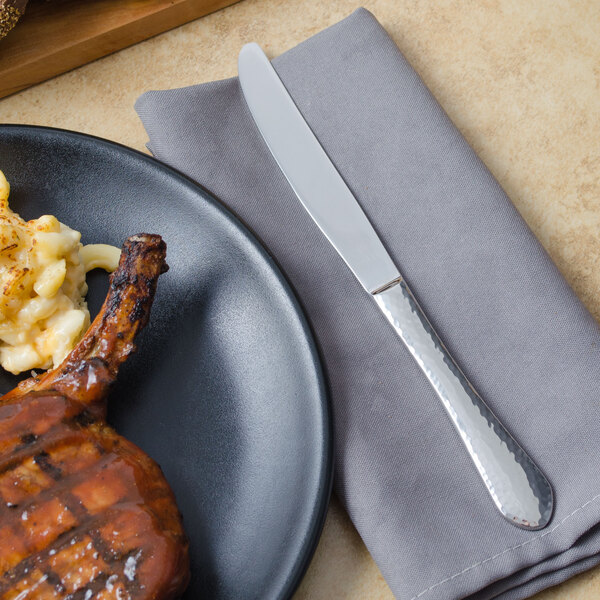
516	328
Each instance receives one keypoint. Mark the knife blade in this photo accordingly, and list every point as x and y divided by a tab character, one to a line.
515	483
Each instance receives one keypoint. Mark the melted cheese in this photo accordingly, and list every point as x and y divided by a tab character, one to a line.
43	312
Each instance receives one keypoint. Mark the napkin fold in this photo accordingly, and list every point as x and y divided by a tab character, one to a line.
513	324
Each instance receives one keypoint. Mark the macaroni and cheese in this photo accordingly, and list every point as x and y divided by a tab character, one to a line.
43	312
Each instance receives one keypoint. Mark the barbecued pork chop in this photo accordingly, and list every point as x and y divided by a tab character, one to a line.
85	514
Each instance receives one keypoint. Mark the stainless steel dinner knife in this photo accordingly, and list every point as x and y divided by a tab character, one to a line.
517	486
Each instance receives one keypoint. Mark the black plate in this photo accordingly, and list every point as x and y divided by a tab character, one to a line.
226	391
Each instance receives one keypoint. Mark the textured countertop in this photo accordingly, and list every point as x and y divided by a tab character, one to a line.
521	80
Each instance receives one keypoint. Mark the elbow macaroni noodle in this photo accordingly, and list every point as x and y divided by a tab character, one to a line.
43	312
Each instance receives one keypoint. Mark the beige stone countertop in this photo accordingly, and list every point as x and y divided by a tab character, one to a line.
520	79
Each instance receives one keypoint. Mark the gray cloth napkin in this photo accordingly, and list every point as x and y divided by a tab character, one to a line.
492	293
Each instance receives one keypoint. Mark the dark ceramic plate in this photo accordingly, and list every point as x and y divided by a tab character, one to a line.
226	390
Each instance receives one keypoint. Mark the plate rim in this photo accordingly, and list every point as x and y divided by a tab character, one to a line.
313	533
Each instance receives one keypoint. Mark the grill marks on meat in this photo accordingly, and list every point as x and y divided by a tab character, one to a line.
84	513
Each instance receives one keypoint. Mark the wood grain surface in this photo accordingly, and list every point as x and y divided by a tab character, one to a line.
57	36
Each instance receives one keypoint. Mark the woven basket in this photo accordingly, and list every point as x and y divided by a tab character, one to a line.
10	12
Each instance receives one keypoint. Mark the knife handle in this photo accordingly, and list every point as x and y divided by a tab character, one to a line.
519	489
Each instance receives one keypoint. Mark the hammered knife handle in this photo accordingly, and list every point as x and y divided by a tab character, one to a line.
517	486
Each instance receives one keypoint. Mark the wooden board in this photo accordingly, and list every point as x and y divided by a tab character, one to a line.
55	36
